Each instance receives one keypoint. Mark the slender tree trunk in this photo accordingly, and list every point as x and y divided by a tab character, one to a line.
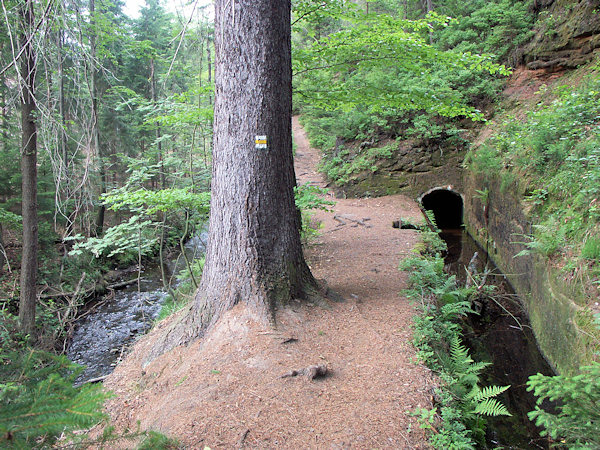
201	63
3	141
29	173
254	255
153	96
61	101
429	8
99	226
63	175
209	62
3	114
4	256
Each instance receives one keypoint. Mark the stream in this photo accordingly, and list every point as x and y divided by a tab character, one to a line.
502	335
109	327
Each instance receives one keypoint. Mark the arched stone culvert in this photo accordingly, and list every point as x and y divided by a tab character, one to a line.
446	205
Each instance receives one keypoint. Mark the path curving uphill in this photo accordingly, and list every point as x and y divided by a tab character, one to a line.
227	390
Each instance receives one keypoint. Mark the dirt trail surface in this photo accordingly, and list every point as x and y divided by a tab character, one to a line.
227	390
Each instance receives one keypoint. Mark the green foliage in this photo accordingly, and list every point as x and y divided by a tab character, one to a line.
488	159
576	421
591	249
462	402
10	220
483	26
346	163
453	435
549	240
157	441
461	374
310	197
151	202
425	274
185	290
126	239
139	234
39	402
393	46
554	154
365	76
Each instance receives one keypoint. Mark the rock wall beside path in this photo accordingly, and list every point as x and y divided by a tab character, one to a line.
567	35
554	306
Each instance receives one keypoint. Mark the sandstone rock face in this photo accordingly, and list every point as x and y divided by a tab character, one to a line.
413	169
567	35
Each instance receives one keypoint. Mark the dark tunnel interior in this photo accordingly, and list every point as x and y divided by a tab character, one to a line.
447	207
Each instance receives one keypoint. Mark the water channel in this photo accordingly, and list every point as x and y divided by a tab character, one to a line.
500	334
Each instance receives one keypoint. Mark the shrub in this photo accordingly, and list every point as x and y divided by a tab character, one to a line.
39	401
576	420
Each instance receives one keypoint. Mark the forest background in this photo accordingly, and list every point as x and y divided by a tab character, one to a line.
123	112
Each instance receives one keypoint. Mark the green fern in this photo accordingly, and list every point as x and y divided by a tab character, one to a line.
486	393
458	420
453	310
461	365
486	404
491	407
462	374
39	401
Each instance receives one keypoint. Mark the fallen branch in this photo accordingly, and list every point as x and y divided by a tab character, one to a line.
89	291
243	437
122	284
91	380
339	217
71	308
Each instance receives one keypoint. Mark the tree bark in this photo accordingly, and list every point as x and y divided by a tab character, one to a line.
208	59
158	134
28	295
254	255
63	177
3	113
99	225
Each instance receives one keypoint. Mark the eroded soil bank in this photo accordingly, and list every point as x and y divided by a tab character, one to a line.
226	390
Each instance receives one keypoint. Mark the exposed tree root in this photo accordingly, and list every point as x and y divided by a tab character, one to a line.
310	372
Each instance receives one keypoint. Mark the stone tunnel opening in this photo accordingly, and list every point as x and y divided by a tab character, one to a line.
446	205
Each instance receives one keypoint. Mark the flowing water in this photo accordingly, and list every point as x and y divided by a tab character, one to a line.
104	333
502	335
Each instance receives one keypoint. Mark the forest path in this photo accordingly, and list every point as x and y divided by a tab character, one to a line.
226	390
358	250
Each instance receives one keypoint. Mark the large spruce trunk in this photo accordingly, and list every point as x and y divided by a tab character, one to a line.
28	289
254	254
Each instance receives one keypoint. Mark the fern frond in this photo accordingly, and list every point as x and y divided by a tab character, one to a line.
477	367
459	353
479	395
491	407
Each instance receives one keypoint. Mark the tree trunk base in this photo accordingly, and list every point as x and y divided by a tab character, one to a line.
195	319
